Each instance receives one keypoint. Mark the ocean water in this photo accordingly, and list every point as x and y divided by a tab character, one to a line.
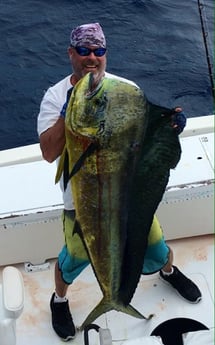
157	43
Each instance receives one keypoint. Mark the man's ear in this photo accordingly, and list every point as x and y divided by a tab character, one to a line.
70	52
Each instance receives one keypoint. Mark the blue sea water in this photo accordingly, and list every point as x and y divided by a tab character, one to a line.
157	43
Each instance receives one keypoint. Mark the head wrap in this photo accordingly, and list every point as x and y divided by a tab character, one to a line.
88	35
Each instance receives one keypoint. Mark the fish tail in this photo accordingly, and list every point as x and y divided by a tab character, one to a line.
105	306
134	312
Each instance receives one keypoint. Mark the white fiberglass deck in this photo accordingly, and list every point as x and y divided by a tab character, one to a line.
194	256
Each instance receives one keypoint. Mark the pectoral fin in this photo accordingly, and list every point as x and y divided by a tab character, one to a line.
61	165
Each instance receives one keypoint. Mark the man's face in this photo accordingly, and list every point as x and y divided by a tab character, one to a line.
84	64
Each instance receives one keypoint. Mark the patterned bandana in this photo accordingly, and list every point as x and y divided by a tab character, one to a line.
88	35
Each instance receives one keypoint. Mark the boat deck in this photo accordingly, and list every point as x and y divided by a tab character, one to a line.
31	230
194	256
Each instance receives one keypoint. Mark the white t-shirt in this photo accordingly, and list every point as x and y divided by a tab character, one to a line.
50	108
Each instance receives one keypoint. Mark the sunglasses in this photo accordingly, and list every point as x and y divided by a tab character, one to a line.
83	51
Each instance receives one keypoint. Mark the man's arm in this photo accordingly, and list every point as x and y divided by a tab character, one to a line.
52	141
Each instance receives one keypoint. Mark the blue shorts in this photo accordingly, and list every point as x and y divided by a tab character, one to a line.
73	257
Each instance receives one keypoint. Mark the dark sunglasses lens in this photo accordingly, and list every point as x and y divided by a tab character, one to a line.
83	51
99	51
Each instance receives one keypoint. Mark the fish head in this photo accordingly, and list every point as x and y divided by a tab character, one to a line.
86	108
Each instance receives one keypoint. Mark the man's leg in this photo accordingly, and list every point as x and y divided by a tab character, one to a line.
183	285
168	267
60	286
159	257
62	321
71	261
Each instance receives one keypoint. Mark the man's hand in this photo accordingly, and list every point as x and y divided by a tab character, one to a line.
178	120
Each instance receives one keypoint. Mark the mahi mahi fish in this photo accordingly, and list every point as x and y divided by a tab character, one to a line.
118	154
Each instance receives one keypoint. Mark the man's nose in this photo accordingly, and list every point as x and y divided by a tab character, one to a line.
92	55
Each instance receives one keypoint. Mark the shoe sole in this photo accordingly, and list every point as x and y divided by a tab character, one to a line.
187	300
70	337
67	339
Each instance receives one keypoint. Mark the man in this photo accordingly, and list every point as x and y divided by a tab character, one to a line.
87	53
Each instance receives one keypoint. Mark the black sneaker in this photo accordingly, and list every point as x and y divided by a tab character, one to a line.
184	286
62	320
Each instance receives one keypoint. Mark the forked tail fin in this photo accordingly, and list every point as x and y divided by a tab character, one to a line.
106	305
